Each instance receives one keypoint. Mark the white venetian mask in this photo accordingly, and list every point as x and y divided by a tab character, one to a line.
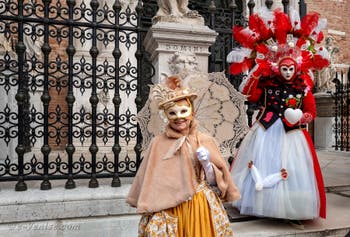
178	112
287	72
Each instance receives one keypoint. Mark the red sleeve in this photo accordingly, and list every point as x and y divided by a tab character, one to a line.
252	90
309	105
309	109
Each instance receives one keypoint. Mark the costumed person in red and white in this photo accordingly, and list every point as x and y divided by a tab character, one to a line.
183	179
276	167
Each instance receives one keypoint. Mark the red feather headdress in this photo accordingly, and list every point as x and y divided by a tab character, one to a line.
269	39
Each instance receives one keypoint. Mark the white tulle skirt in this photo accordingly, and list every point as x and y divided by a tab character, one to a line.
271	150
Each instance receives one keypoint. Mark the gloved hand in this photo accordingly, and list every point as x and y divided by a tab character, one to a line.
306	118
204	158
203	155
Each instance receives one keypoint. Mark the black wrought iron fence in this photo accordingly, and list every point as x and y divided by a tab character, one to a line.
342	111
68	71
73	75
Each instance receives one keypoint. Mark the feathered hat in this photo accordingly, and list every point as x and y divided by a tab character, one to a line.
273	36
170	91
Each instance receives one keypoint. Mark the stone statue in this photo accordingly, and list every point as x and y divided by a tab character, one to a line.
174	11
103	98
5	46
324	78
180	61
33	47
128	3
175	8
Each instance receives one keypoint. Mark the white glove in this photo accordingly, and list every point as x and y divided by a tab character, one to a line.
204	158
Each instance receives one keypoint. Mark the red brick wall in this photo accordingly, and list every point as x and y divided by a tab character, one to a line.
337	13
58	97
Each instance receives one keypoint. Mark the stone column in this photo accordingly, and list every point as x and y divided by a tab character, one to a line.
323	123
165	38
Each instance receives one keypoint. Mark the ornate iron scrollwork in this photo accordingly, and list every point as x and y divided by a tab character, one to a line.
76	75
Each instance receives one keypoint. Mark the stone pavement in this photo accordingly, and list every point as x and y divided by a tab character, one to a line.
335	166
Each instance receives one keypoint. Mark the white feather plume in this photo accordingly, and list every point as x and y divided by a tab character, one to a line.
322	24
237	55
294	18
323	52
267	15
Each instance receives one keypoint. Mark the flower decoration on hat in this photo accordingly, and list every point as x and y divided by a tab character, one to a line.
170	91
274	37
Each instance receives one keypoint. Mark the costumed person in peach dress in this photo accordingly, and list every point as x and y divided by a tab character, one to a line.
183	180
276	167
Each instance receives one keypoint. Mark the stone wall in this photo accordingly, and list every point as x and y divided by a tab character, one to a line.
337	14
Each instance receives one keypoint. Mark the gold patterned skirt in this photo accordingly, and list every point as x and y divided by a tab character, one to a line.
202	216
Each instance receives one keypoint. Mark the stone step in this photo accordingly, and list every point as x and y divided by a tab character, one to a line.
79	212
102	211
277	228
60	203
337	223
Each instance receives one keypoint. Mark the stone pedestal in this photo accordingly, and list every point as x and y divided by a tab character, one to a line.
323	133
165	38
323	124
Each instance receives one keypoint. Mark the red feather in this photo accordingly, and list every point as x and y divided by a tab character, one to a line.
257	25
262	48
308	23
264	68
244	36
319	62
306	64
307	80
300	42
313	62
282	26
320	37
237	68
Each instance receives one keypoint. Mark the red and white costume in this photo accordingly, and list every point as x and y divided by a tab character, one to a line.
276	167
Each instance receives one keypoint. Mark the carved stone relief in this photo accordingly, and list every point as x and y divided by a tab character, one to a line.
180	61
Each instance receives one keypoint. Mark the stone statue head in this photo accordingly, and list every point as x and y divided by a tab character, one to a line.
181	61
